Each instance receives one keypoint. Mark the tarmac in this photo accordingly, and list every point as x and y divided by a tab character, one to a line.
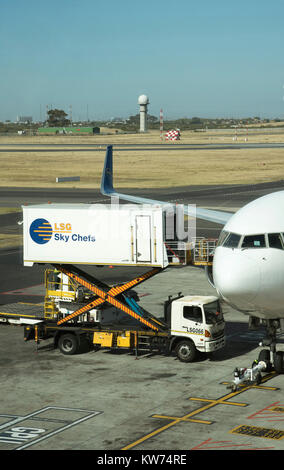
113	402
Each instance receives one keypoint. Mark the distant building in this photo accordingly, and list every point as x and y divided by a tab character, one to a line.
24	119
69	130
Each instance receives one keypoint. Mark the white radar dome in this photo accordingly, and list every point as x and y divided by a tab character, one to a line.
143	99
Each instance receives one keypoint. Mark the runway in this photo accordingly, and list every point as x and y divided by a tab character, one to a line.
133	147
201	195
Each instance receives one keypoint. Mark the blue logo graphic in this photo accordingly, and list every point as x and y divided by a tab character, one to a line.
41	231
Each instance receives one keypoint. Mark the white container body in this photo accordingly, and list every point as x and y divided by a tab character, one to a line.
94	234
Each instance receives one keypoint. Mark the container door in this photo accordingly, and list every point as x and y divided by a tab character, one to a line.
143	239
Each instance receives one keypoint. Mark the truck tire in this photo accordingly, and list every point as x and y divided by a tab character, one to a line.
68	344
186	351
279	362
264	356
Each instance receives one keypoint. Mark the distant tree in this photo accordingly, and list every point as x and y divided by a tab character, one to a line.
134	119
57	118
196	120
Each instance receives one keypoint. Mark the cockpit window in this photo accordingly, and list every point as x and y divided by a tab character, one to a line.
275	241
232	240
222	237
254	241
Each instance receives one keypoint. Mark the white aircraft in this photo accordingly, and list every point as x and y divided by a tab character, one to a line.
248	265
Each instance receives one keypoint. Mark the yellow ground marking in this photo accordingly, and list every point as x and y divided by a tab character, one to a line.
278	409
188	417
256	431
220	401
260	387
183	418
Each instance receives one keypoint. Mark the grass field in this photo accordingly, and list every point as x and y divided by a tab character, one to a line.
144	169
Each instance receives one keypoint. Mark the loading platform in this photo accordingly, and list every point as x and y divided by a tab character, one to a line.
18	312
198	252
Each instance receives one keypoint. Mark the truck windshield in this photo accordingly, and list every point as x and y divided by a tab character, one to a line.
213	313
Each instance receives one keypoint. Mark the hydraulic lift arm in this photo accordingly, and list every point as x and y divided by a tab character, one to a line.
109	295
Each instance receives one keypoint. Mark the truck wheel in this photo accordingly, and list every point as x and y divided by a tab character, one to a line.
279	362
186	351
264	356
68	344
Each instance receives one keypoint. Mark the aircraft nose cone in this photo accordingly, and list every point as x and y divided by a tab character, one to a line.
236	276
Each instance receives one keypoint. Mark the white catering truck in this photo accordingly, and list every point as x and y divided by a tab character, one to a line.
82	310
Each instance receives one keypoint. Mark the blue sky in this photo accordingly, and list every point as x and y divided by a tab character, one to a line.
208	59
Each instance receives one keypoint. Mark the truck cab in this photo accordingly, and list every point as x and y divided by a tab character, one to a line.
196	324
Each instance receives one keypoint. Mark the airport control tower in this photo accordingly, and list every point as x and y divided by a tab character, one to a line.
143	102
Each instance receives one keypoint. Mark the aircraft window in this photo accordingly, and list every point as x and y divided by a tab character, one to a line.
222	237
275	241
192	313
254	241
232	240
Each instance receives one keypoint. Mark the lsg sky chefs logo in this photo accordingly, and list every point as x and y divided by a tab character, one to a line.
41	232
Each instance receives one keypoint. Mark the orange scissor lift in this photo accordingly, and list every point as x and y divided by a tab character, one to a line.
70	333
